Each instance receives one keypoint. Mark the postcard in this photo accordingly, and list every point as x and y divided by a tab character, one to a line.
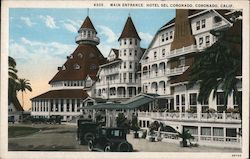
127	79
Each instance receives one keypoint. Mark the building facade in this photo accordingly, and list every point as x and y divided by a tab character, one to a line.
155	80
119	77
74	78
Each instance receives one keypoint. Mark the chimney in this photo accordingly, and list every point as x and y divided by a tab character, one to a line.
183	34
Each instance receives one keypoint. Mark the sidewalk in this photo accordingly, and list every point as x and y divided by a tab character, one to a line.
144	145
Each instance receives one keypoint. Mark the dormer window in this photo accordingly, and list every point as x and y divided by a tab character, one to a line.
63	67
76	67
135	41
80	55
125	42
135	52
130	41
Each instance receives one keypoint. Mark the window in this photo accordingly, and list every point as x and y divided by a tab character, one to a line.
234	99
155	55
130	52
177	100
218	132
136	65
181	62
166	36
125	52
124	77
162	38
163	52
125	42
171	35
206	131
76	67
135	52
183	99
135	41
220	102
130	65
80	55
198	25
193	99
124	65
130	77
231	132
120	43
207	39
220	98
130	41
200	40
203	23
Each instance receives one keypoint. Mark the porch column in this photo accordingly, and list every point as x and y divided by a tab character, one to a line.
59	105
39	106
199	133
65	105
48	107
81	106
70	105
54	105
75	105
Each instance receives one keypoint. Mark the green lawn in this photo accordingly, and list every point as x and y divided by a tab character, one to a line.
17	131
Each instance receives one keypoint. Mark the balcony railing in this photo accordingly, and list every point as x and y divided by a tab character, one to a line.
182	51
111	71
176	71
204	117
85	38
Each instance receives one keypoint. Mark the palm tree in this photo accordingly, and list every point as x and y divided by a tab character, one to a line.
12	80
24	85
185	135
219	65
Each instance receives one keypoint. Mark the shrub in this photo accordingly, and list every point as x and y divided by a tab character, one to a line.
210	110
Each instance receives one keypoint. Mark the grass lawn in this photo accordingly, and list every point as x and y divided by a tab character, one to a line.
17	131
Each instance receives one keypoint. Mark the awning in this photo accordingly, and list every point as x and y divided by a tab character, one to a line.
132	103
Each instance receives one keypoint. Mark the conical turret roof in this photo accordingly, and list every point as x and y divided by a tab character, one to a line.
129	30
87	24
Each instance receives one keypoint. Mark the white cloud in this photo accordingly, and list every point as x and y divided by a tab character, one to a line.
146	37
27	21
49	21
106	31
38	62
105	49
71	25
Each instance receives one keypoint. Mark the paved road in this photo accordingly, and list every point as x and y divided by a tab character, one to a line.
63	138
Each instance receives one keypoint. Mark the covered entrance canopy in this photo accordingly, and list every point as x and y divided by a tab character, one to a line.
132	103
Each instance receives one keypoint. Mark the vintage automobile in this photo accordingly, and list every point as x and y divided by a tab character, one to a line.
110	140
85	131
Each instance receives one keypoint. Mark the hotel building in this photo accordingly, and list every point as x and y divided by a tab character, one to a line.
154	79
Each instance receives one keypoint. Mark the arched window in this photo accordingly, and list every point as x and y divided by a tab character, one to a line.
80	55
76	66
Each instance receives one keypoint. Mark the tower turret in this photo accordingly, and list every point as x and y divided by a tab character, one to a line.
87	33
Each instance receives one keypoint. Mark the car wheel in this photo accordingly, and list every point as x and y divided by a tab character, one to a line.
107	149
88	136
90	145
124	147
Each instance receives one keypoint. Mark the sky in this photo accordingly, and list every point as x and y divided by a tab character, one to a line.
41	39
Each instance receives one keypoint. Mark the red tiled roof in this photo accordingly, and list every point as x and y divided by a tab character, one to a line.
65	93
90	56
87	24
129	30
